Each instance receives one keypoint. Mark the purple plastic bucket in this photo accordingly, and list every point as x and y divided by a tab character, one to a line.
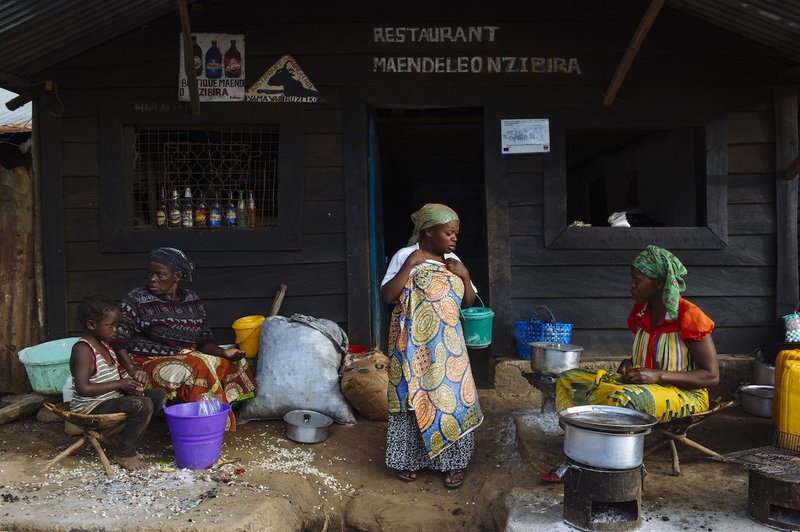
197	440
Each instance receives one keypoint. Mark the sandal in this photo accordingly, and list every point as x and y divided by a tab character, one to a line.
407	476
454	479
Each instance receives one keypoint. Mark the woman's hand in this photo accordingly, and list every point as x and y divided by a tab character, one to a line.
457	267
642	375
131	387
232	354
624	367
416	258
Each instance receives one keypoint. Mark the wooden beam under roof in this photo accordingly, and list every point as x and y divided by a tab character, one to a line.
633	49
188	57
8	80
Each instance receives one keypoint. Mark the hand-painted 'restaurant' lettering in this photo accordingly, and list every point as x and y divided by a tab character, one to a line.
435	34
460	64
476	65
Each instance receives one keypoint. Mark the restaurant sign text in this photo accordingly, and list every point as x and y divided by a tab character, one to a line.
461	64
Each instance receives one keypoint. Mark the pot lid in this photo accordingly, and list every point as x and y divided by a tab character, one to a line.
759	390
607	418
307	419
556	346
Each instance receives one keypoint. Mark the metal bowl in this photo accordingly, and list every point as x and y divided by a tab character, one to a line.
757	399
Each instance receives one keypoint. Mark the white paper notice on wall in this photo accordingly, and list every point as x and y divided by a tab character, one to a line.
525	135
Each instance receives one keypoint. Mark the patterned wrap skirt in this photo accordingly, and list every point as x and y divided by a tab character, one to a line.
189	374
576	387
405	449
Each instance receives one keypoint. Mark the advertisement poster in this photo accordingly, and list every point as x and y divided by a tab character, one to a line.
284	81
531	135
219	65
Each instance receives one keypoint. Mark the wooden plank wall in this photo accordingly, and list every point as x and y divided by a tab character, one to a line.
684	61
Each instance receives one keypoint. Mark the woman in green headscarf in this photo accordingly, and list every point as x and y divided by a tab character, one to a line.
433	402
673	358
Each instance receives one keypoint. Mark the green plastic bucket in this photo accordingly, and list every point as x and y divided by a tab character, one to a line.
47	364
477	324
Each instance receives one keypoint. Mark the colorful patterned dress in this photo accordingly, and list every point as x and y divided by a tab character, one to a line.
430	376
660	346
162	337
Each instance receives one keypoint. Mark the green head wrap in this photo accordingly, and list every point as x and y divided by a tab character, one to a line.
430	215
659	264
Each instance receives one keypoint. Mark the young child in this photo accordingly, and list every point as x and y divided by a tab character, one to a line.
98	387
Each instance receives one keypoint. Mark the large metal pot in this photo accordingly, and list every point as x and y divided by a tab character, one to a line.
553	357
763	371
606	437
307	426
757	399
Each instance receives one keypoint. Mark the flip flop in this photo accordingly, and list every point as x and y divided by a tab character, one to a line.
550	476
450	476
407	476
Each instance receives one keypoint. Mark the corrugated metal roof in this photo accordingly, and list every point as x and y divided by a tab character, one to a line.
37	34
774	23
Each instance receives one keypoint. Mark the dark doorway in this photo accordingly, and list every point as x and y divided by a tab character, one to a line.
435	156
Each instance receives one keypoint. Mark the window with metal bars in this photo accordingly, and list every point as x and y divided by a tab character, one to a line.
222	177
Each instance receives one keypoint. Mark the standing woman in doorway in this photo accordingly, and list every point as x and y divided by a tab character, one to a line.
433	401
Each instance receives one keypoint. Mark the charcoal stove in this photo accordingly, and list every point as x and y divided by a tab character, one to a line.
773	484
602	499
546	384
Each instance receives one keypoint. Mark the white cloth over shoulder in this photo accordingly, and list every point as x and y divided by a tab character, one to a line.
400	257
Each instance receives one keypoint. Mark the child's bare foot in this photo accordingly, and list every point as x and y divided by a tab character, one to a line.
130	463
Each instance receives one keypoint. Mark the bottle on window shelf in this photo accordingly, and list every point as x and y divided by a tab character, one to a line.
200	211
215	213
230	211
174	210
187	214
241	210
162	210
251	211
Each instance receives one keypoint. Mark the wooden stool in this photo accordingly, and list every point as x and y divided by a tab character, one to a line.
675	431
96	428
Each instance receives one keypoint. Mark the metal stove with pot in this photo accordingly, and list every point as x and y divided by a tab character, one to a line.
548	360
773	483
603	474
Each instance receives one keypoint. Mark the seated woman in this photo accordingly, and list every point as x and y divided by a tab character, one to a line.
674	359
162	328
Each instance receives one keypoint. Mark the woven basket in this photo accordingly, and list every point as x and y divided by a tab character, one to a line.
537	330
792	324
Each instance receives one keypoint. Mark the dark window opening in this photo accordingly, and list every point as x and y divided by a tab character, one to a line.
656	178
216	166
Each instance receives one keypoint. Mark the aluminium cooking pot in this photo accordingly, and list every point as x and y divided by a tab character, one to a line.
554	357
607	437
757	399
306	426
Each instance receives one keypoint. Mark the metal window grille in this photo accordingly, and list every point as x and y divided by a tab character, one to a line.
215	165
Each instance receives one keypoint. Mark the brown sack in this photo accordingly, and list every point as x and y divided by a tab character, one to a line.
364	382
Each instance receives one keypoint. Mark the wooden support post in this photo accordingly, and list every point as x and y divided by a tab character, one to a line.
633	49
786	147
188	57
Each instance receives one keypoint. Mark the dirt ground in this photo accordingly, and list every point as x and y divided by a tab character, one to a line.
267	482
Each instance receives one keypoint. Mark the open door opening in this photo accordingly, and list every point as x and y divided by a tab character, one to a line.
432	156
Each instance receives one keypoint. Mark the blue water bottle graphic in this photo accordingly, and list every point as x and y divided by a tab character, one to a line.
213	62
